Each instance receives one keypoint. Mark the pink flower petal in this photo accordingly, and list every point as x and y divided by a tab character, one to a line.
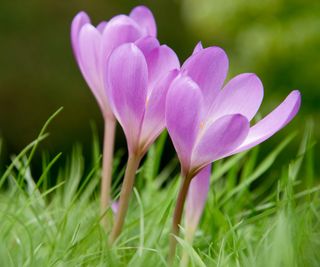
197	48
208	68
126	85
160	61
154	117
196	198
79	20
147	44
119	30
183	112
243	95
89	61
101	26
272	123
219	138
143	16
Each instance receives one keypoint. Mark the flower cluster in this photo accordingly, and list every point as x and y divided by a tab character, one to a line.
140	83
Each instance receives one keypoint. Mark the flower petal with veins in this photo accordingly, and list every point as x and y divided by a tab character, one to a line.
183	113
127	80
143	16
272	123
243	94
221	137
208	68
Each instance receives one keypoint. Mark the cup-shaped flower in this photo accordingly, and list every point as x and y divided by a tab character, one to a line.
138	77
93	45
207	123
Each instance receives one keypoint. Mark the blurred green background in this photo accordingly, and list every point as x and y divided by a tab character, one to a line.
277	39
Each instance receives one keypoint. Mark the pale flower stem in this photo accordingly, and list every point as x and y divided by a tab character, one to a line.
126	190
177	218
106	177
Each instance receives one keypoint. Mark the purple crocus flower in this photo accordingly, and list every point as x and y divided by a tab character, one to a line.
138	77
207	122
92	47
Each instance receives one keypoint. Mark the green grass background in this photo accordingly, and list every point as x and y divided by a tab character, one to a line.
254	216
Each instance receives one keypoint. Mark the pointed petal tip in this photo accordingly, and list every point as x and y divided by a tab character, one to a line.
79	20
121	19
141	8
101	26
254	77
197	48
144	17
146	44
292	104
160	61
216	49
295	97
81	15
299	99
296	93
208	68
208	52
250	75
86	35
173	54
273	122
